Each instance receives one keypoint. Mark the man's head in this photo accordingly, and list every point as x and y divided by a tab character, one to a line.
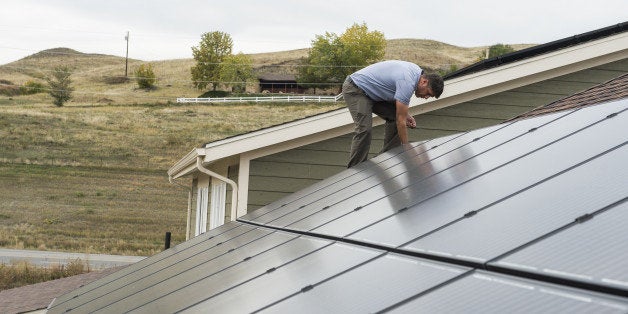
430	85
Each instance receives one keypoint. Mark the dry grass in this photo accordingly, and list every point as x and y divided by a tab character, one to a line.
23	273
436	55
130	136
91	210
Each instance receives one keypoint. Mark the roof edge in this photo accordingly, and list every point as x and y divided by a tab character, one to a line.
540	49
178	169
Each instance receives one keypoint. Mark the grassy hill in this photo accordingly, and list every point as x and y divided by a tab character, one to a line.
98	78
91	176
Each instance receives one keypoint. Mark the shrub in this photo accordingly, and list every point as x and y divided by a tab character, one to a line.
24	273
496	50
145	76
32	87
215	94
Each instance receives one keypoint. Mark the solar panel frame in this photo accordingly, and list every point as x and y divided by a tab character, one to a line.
182	251
398	228
484	292
371	287
285	280
590	251
532	213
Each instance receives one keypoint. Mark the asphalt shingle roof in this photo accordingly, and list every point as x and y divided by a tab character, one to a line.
614	89
38	296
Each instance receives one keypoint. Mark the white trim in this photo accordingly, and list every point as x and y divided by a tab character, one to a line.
218	203
243	185
201	210
186	165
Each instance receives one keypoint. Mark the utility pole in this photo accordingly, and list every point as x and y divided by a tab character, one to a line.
126	65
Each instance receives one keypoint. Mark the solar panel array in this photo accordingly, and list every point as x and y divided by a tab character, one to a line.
526	216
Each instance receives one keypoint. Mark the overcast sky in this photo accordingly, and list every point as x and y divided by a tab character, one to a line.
162	29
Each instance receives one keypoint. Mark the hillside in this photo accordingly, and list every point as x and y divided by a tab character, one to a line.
99	78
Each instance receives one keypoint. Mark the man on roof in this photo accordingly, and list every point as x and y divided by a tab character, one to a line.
385	88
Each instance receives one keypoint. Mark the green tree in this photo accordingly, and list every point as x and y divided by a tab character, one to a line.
59	84
333	57
360	48
209	54
145	76
237	70
317	70
498	50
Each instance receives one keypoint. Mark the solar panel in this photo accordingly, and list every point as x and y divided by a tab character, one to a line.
177	276
592	250
433	213
441	174
290	269
532	213
370	288
421	177
187	249
376	176
408	231
485	292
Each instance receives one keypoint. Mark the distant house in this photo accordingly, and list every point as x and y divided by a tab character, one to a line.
279	83
251	170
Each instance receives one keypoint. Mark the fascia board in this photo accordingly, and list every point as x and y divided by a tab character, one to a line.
185	163
184	171
278	134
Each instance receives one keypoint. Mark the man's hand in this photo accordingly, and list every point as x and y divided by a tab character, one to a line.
410	122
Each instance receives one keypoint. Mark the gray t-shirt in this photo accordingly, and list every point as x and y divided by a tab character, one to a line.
389	80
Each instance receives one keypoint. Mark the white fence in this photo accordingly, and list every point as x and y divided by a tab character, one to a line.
303	98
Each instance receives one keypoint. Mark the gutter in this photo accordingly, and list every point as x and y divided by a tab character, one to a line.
234	186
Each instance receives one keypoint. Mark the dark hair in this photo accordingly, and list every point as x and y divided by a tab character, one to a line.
436	83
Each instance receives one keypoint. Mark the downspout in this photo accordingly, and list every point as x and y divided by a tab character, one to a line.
189	219
234	186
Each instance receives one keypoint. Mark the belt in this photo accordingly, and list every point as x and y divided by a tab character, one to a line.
350	80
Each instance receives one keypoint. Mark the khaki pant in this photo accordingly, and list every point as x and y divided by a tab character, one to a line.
362	108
